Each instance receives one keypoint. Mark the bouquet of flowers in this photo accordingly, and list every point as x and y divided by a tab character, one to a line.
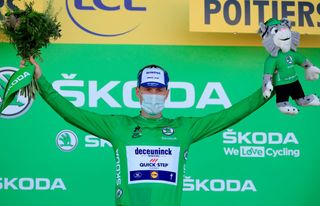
29	31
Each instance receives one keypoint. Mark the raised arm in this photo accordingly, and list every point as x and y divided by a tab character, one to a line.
98	125
213	123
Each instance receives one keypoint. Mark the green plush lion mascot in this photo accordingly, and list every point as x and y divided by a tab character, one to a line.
279	69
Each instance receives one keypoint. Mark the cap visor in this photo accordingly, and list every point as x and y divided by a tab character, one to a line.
153	84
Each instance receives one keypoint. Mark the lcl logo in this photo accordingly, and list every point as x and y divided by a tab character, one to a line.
128	5
109	18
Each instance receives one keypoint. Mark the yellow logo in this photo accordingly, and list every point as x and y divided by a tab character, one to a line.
154	175
106	18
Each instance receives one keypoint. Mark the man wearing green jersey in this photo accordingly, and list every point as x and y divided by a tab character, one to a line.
150	150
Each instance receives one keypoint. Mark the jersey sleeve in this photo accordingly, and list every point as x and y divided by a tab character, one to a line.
93	123
270	65
211	124
299	58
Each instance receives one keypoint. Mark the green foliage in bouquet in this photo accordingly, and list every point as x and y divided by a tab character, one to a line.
29	30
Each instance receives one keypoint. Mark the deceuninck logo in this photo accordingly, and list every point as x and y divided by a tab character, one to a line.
107	18
66	140
20	103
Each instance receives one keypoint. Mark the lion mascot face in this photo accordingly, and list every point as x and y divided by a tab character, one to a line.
277	35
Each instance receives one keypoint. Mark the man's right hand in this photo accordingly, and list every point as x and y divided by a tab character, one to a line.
37	69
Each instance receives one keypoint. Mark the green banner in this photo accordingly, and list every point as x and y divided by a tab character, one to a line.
17	81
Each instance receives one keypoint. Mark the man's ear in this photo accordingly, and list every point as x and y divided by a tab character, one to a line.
138	94
168	91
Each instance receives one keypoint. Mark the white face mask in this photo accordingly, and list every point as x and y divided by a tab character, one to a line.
152	104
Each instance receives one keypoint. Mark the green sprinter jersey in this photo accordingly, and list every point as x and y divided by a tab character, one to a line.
150	153
284	64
